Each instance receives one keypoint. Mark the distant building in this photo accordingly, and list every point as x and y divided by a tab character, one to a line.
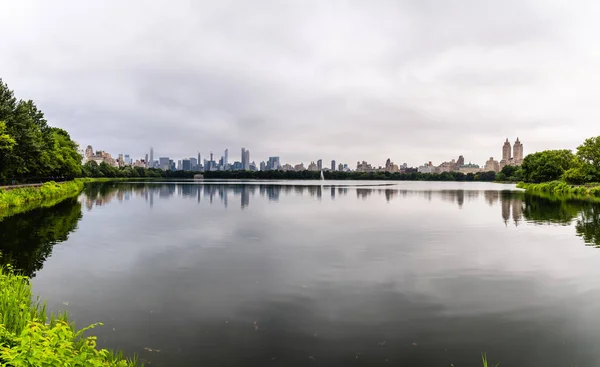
469	168
447	166
237	166
163	163
226	160
151	161
427	168
460	161
287	167
313	167
299	167
391	167
340	167
320	164
252	166
492	165
273	164
517	154
194	164
186	165
333	165
179	166
363	167
263	166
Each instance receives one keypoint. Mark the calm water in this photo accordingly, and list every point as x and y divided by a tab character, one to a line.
413	274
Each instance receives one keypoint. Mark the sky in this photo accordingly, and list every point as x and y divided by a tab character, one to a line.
410	80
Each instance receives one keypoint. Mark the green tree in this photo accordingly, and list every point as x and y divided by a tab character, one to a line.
6	141
548	165
589	154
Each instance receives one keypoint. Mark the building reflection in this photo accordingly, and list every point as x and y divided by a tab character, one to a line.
515	207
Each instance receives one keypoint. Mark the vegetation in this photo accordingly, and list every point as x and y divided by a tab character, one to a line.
25	198
29	147
510	174
28	337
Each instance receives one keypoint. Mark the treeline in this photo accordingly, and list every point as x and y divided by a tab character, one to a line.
573	168
29	147
91	169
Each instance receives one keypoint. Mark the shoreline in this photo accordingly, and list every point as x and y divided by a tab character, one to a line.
563	190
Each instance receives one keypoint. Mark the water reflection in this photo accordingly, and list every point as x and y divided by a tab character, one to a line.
515	207
26	240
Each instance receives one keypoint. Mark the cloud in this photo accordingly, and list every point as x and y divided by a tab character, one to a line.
410	80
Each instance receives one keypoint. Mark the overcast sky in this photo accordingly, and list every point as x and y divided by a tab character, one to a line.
414	80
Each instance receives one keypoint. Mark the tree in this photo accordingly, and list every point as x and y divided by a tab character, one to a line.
589	152
6	141
548	165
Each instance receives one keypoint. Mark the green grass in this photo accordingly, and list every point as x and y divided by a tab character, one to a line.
30	337
27	198
484	360
561	188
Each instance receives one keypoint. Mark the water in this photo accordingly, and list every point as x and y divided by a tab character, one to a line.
411	274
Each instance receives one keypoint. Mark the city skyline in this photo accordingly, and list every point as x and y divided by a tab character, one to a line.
410	86
511	155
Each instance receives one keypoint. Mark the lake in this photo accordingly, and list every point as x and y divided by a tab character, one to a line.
301	274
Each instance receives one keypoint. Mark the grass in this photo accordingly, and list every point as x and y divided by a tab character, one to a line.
26	198
484	360
561	188
30	337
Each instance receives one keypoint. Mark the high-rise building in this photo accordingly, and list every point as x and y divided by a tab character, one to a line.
193	164
313	167
340	167
186	165
518	152
506	151
151	161
163	163
460	161
226	159
320	164
199	161
333	164
147	160
179	165
244	158
89	151
273	164
263	166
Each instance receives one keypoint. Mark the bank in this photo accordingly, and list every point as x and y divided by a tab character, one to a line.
561	188
19	200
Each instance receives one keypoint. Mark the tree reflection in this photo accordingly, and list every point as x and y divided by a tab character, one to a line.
588	225
26	240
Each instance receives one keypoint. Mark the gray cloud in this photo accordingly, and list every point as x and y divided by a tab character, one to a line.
410	80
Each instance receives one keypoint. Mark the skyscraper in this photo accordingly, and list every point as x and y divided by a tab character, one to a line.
199	161
247	160
151	162
320	164
518	152
226	159
244	159
333	165
193	164
163	163
506	151
186	165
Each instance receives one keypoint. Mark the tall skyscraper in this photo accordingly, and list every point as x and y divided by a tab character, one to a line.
320	164
244	158
226	159
518	152
506	151
193	164
186	165
163	163
247	160
199	161
147	160
333	165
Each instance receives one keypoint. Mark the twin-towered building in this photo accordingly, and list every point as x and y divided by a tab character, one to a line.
508	159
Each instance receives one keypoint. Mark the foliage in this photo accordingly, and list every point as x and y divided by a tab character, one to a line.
484	360
28	337
37	195
563	189
28	146
548	165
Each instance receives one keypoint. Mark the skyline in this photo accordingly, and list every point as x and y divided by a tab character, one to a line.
345	81
246	159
